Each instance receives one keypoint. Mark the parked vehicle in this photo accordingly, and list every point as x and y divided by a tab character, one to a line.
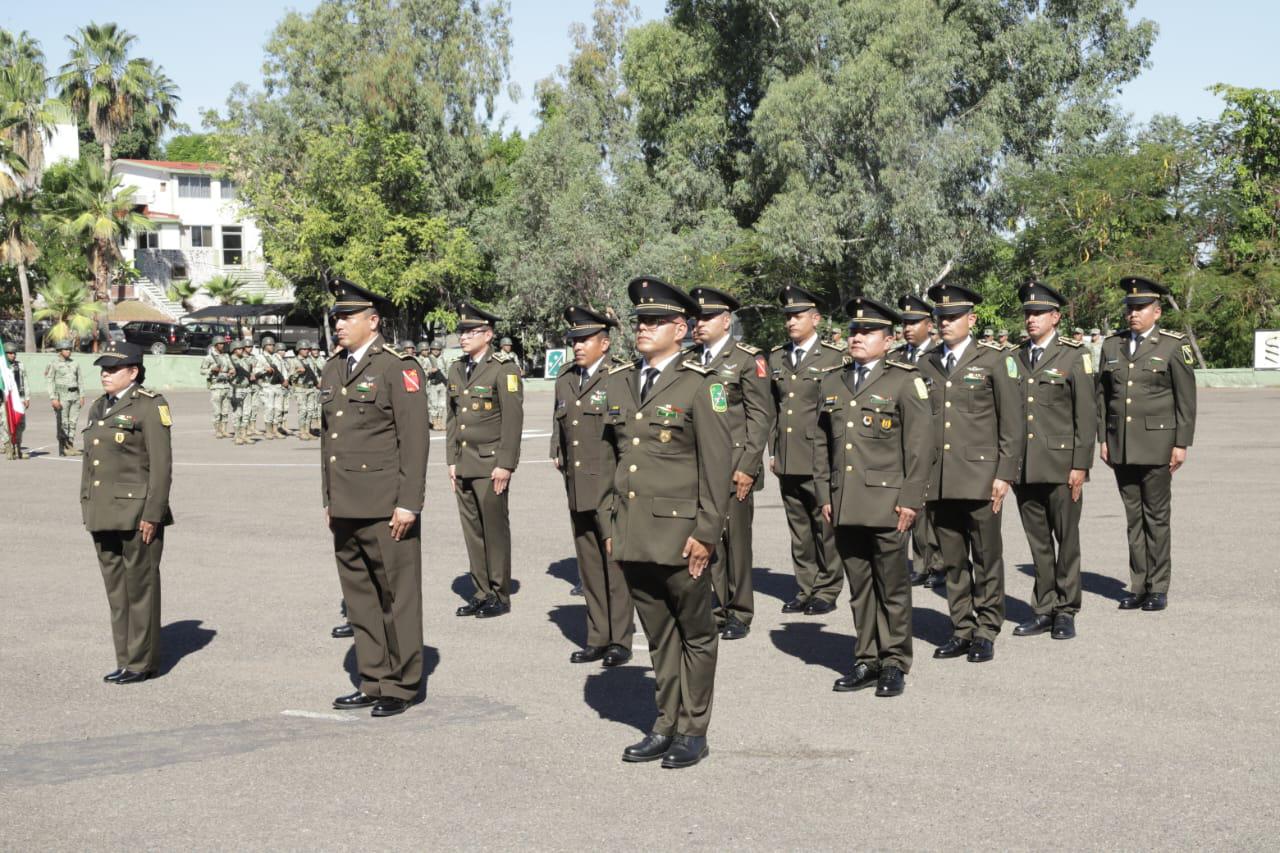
156	338
200	336
287	330
114	331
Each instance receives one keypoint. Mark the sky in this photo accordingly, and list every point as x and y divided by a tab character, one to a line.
206	48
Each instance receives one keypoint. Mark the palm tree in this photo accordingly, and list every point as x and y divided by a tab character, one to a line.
224	289
97	210
103	84
12	167
68	304
183	292
17	214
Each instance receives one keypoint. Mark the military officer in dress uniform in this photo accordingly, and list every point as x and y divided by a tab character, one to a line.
796	372
979	436
373	457
669	428
1062	421
580	453
874	447
66	396
124	501
744	372
917	334
1146	422
217	371
482	436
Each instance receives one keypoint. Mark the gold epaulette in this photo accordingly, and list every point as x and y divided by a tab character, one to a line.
693	365
840	366
501	357
778	347
835	347
1067	342
1177	336
991	345
398	354
144	392
626	365
747	348
902	364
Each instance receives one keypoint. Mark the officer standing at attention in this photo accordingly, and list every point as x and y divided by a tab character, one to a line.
744	372
669	428
482	440
13	447
796	370
217	371
373	457
580	453
1062	421
917	334
66	395
874	448
1146	422
979	436
124	501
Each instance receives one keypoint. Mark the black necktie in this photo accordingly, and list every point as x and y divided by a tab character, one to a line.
582	377
471	365
351	365
1134	343
796	355
706	357
1036	352
650	376
950	362
859	376
913	354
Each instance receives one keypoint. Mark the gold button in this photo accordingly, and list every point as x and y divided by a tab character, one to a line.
577	402
577	464
849	423
947	425
635	441
333	459
464	444
97	462
848	447
948	383
788	429
848	467
982	457
791	393
1031	435
575	423
104	423
344	392
946	447
947	404
631	495
465	392
1031	399
95	442
462	426
633	469
1130	381
338	413
788	411
1128	399
334	435
639	415
129	495
793	377
1031	417
673	512
883	483
1127	418
575	442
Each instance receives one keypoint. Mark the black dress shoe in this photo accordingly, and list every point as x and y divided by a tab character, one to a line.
492	607
981	651
577	589
1155	601
685	751
343	632
587	654
354	701
128	676
653	747
1064	626
918	578
817	607
953	648
389	706
863	676
1034	625
891	683
1133	601
795	605
734	630
935	580
110	677
471	608
616	655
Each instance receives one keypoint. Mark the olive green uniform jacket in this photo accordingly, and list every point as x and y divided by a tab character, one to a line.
796	397
1147	403
578	442
128	463
1062	412
485	415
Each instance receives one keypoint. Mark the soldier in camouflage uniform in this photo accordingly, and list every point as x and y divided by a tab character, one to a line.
13	449
217	369
270	369
436	371
241	390
65	396
253	397
306	381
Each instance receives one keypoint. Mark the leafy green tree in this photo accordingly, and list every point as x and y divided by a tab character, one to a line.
194	148
183	292
70	306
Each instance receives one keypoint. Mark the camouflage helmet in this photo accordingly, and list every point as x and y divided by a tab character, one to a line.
506	342
423	346
247	343
62	344
407	345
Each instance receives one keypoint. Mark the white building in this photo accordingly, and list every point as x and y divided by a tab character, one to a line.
201	232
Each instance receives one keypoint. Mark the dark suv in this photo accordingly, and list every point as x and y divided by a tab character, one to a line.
156	338
200	336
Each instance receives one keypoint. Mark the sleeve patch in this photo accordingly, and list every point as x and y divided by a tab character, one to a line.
762	367
513	383
719	400
922	391
164	415
1011	366
412	383
1087	358
1187	355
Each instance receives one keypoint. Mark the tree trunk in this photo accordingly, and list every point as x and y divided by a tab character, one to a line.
101	292
28	327
106	157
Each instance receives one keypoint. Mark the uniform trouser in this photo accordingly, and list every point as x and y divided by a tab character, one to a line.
272	404
487	532
875	562
1049	516
1147	493
5	444
238	400
610	612
436	402
924	545
220	401
975	591
675	612
308	406
253	406
813	543
65	418
382	587
731	570
131	573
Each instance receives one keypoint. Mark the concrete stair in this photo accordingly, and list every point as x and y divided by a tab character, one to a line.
154	295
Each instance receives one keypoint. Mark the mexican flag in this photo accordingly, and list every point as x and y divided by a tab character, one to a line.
13	408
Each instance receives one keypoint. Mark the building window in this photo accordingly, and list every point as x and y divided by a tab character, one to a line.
148	240
232	256
202	236
193	186
228	189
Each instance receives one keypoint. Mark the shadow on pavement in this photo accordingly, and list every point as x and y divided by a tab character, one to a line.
179	639
813	644
464	588
565	570
571	619
430	660
622	694
780	586
1101	585
931	626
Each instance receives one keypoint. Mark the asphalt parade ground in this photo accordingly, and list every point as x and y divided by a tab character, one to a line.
1150	730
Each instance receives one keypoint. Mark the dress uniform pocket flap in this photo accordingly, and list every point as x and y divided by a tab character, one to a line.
490	449
363	461
675	508
1060	442
980	454
136	491
1159	422
891	479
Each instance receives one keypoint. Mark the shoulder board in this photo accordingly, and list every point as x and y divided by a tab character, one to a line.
778	347
621	368
1067	342
991	345
617	359
143	392
831	368
398	354
747	348
501	357
1010	347
694	366
835	347
1177	336
901	364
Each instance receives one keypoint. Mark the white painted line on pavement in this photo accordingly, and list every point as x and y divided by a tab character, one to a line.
317	715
